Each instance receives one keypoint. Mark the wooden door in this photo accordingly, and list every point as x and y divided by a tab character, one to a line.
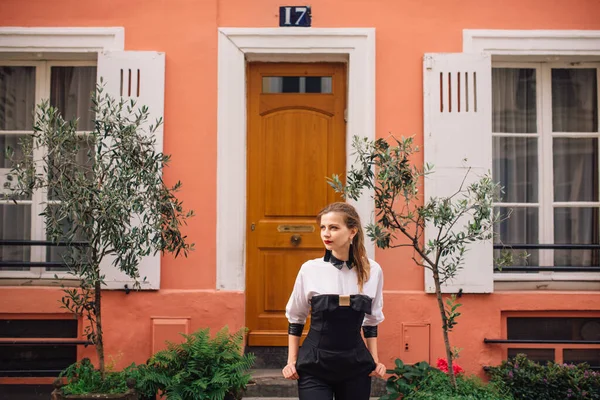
296	138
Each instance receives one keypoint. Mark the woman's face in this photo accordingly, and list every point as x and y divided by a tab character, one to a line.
334	233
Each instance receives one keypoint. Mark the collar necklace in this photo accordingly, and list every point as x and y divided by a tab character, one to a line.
339	264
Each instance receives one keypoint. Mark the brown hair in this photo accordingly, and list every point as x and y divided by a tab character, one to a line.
359	253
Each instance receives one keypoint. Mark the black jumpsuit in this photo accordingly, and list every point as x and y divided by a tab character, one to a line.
334	359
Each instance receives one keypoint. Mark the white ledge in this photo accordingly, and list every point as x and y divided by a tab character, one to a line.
532	42
74	40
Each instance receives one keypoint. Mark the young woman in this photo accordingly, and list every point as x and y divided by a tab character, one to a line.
343	292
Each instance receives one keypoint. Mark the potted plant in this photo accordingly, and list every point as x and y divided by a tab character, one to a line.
84	381
110	204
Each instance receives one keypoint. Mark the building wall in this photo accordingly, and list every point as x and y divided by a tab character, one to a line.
186	31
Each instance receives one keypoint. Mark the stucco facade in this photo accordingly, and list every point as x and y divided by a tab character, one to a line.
193	288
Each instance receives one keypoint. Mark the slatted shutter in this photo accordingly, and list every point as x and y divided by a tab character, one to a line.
138	75
458	136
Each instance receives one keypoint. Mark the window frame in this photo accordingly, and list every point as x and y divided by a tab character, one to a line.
39	197
545	136
537	45
107	46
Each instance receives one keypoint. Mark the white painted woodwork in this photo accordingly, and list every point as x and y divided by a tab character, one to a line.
235	46
546	46
458	142
149	90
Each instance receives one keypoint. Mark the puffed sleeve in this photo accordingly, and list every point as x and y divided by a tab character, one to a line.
376	317
297	307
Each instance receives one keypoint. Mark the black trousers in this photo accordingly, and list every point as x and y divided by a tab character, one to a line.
312	388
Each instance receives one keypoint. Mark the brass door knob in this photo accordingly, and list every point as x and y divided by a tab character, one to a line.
295	240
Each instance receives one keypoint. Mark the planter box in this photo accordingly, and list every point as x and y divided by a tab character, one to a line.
131	394
57	394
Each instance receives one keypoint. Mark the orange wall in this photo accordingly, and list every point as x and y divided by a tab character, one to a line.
186	31
127	318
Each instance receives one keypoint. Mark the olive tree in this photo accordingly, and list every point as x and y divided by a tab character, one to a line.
401	215
107	200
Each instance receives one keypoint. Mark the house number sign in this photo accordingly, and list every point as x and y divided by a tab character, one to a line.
294	16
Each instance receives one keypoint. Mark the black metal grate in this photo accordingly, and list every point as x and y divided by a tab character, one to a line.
537	268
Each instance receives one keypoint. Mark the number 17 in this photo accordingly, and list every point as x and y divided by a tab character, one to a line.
288	14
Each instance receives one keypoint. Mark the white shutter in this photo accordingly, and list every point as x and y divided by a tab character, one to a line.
138	75
458	135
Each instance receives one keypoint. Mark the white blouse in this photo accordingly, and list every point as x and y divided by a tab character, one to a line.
321	277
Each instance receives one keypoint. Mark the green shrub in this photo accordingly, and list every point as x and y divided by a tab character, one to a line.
528	380
405	379
200	368
423	382
437	386
83	378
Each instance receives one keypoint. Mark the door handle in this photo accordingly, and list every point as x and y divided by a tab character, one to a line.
295	240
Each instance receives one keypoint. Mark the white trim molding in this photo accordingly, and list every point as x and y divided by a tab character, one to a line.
533	42
235	47
68	40
537	45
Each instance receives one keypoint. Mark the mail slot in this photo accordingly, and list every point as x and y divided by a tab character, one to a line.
296	228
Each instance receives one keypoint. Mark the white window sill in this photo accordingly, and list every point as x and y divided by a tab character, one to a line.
546	276
34	280
583	281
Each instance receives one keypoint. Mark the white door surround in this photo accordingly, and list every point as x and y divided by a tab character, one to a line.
235	47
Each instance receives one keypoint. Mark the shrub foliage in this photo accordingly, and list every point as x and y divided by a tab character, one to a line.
200	368
528	380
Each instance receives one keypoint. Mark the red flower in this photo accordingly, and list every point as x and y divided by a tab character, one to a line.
442	365
457	369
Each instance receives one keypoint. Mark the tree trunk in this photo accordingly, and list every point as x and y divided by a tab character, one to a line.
440	301
99	338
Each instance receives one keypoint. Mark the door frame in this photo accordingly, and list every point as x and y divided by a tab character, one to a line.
236	46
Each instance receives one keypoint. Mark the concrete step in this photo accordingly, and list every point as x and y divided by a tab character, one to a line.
269	383
267	357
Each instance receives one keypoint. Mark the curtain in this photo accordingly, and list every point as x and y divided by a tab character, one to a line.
15	225
575	163
514	100
17	106
71	90
574	100
575	160
515	159
17	98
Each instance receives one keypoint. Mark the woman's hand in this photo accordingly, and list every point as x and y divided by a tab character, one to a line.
379	370
289	371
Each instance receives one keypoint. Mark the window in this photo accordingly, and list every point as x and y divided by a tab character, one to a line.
561	335
545	155
23	85
297	84
36	359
